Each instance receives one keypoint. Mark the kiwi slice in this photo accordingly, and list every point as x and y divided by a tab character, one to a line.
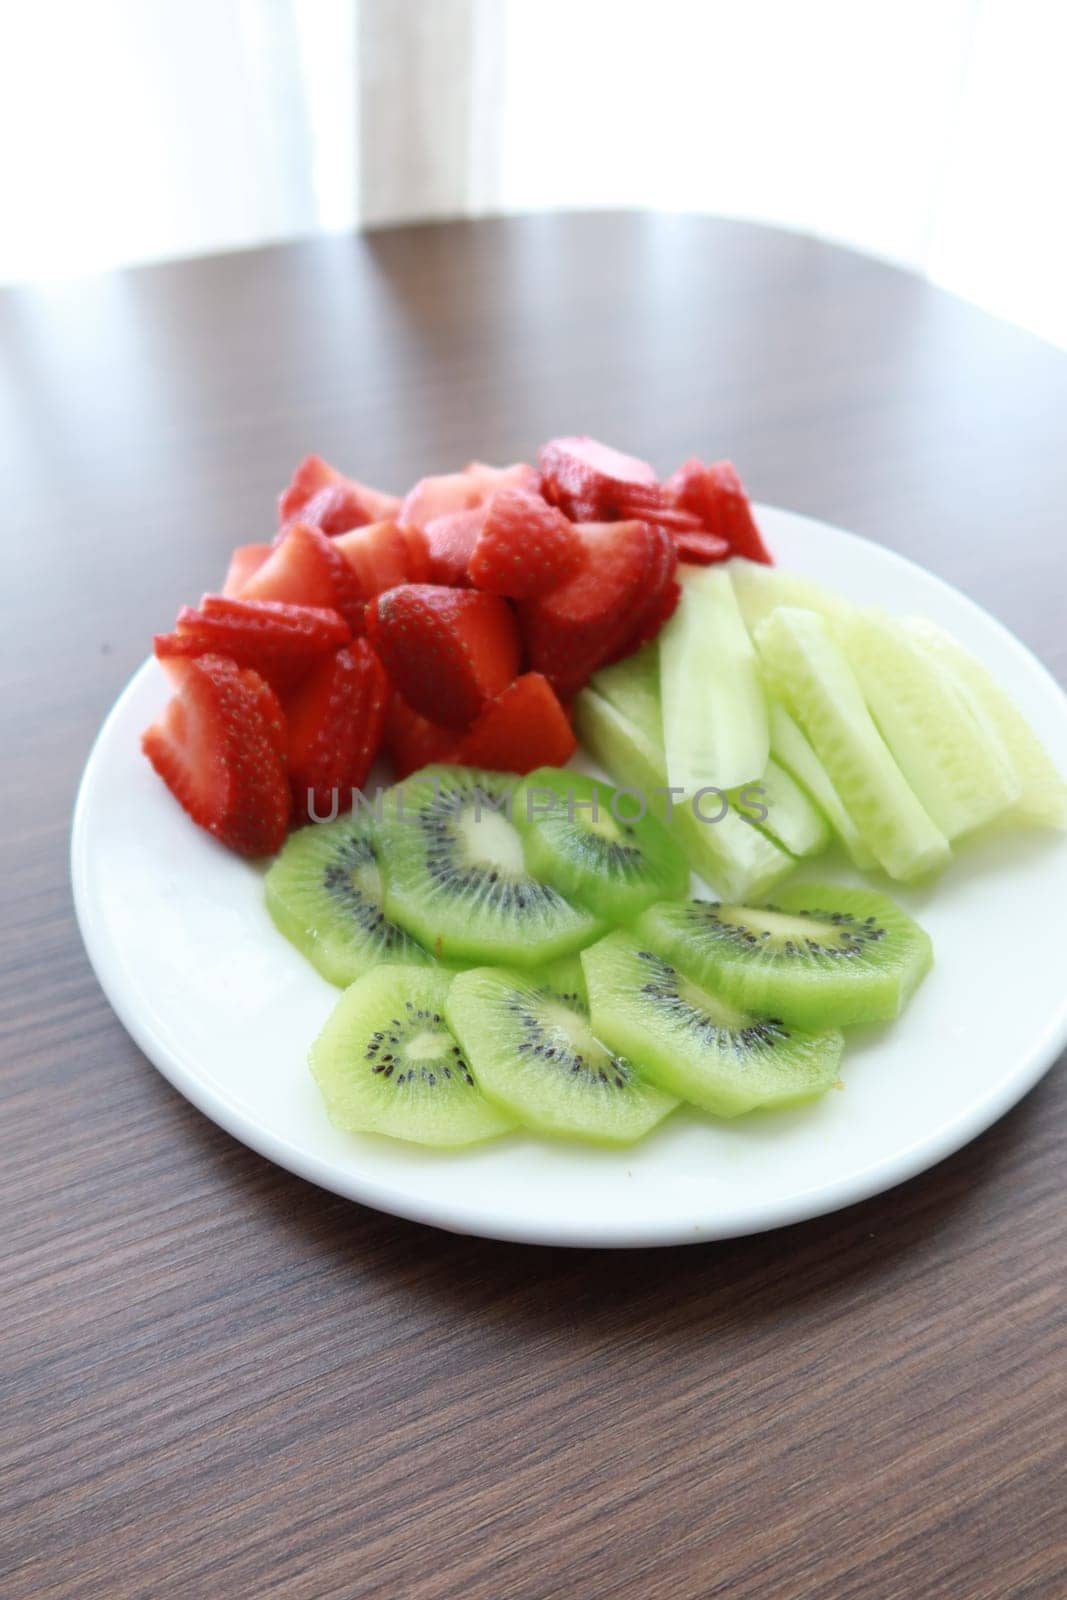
590	843
387	1062
456	875
324	892
819	955
528	1039
691	1042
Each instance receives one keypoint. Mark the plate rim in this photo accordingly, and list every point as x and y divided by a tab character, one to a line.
802	1205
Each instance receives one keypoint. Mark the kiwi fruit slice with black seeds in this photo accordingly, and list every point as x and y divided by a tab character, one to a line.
694	1044
387	1062
817	955
528	1040
324	892
456	875
591	843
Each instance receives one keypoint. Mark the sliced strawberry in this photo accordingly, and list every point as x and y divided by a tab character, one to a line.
270	709
307	569
591	482
716	494
525	547
674	518
216	749
523	728
462	491
587	620
383	555
246	559
335	720
413	741
448	651
279	641
325	498
659	596
450	542
702	549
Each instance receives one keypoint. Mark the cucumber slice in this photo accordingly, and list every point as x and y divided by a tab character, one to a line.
714	711
808	669
732	856
959	773
790	747
632	687
790	817
1042	800
760	590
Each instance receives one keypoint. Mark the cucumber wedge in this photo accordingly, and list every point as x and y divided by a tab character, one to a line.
960	774
1042	800
807	668
714	710
791	749
790	817
632	687
760	590
732	856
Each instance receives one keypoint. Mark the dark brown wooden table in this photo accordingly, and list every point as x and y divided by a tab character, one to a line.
223	1383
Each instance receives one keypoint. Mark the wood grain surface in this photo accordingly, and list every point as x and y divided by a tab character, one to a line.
222	1383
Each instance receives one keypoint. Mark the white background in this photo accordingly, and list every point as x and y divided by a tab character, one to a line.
932	132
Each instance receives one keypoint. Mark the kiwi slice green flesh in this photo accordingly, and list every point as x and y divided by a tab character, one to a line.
324	892
456	876
387	1062
589	843
528	1040
819	955
693	1043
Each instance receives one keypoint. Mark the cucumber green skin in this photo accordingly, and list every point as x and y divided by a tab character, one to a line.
457	932
717	1079
528	1092
809	671
732	856
803	991
554	847
301	909
359	1101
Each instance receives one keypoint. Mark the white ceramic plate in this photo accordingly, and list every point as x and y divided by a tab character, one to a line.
178	935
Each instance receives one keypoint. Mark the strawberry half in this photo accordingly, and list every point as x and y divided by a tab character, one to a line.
246	559
523	728
525	547
448	651
307	569
450	542
383	555
588	619
591	482
335	721
412	741
279	641
716	494
462	491
320	495
216	747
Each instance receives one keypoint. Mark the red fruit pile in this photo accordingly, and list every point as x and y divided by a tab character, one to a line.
451	625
